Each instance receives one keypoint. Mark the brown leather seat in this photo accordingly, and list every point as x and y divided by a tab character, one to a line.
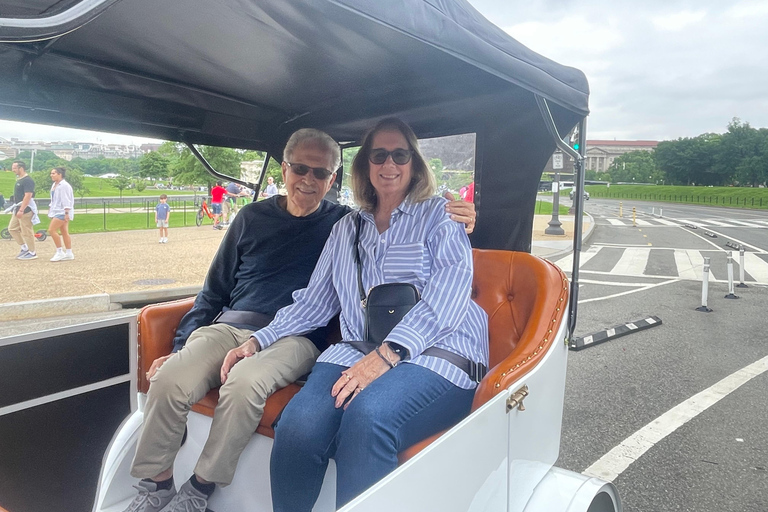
524	297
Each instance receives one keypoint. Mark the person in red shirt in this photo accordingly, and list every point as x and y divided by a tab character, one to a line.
217	198
469	193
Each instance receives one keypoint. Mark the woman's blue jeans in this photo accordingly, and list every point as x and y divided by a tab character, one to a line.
397	410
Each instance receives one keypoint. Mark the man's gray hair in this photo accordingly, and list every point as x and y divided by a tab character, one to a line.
313	136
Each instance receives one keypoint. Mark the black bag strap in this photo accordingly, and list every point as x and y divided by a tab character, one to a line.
358	222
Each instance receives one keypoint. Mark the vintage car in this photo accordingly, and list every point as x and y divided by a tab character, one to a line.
246	74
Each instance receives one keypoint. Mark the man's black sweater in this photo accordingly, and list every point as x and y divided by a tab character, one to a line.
265	256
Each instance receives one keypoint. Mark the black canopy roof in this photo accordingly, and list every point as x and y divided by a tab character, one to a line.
247	73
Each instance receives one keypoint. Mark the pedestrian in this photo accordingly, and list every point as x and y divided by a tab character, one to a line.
230	202
20	225
162	216
271	189
217	198
61	211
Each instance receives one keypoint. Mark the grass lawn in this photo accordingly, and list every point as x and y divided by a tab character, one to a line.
741	197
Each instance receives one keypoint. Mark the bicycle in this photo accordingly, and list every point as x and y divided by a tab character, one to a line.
40	234
202	213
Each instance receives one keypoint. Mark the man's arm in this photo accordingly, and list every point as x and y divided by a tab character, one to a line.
217	290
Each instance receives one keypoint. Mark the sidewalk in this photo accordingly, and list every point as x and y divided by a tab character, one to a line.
107	266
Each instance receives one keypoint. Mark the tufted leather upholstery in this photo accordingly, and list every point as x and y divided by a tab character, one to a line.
524	297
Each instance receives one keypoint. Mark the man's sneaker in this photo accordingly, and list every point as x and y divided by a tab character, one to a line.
22	252
150	499
58	256
68	256
27	256
188	499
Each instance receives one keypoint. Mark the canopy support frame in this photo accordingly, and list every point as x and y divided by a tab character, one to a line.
578	221
213	172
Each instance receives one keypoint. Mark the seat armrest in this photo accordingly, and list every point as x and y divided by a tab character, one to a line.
156	328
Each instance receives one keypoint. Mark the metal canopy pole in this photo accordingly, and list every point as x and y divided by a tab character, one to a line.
578	158
216	174
42	27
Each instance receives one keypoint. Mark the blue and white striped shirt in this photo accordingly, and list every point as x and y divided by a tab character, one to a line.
422	246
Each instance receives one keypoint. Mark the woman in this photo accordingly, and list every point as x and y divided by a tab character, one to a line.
364	409
61	211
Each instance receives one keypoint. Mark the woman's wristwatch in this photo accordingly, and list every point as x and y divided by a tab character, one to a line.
399	350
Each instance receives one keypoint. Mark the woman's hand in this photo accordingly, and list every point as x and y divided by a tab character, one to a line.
461	212
247	349
156	364
353	380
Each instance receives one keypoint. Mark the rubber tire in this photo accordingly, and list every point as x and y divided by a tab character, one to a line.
199	218
43	234
5	234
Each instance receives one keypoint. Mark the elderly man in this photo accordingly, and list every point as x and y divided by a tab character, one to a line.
252	276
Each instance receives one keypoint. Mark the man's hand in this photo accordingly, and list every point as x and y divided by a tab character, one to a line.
156	364
247	349
20	213
461	212
356	378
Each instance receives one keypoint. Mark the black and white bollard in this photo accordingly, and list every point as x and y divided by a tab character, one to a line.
741	269
704	288
730	295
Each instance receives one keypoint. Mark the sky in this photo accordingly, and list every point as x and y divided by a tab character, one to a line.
657	69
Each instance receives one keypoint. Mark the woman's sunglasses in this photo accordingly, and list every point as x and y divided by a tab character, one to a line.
320	173
400	156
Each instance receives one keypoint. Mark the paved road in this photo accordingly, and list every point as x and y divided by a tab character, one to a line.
718	460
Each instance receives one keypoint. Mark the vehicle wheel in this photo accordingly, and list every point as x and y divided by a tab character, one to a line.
199	218
42	234
5	234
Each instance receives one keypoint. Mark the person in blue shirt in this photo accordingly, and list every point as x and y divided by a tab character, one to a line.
162	217
268	252
366	408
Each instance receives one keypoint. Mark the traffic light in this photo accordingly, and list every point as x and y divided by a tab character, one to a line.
574	140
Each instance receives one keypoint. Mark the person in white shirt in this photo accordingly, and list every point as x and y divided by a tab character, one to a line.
61	211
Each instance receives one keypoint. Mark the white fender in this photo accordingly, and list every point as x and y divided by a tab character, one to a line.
568	491
115	480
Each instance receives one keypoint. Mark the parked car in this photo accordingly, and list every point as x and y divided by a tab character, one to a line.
586	195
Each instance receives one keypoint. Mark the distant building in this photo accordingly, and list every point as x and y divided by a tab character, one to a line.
250	170
601	153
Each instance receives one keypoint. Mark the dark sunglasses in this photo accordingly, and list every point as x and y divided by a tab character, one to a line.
400	156
301	170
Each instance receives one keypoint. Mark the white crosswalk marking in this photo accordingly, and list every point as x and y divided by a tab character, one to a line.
641	222
756	267
718	223
743	223
632	262
615	222
689	264
667	222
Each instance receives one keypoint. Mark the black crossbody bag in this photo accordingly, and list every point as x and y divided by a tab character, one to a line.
386	305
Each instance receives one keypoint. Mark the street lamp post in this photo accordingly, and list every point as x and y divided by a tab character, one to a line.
555	226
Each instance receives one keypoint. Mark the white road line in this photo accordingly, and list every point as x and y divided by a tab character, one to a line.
718	223
616	222
613	463
641	222
667	222
596	299
745	244
689	264
743	223
755	266
612	283
692	223
566	263
632	262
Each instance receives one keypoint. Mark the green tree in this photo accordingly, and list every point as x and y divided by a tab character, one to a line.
140	185
121	183
436	166
743	155
43	181
635	167
189	171
153	165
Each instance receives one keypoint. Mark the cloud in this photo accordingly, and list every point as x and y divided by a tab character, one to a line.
748	10
678	21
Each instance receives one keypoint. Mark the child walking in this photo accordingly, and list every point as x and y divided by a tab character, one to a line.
162	216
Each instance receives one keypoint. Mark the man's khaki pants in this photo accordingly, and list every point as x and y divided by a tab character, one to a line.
188	375
22	231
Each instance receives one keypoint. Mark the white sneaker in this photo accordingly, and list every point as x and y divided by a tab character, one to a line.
160	241
58	256
68	256
149	499
165	240
188	499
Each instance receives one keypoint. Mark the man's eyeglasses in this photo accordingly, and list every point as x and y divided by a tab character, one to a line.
320	173
400	156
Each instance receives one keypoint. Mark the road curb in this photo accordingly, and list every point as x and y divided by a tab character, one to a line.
584	239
